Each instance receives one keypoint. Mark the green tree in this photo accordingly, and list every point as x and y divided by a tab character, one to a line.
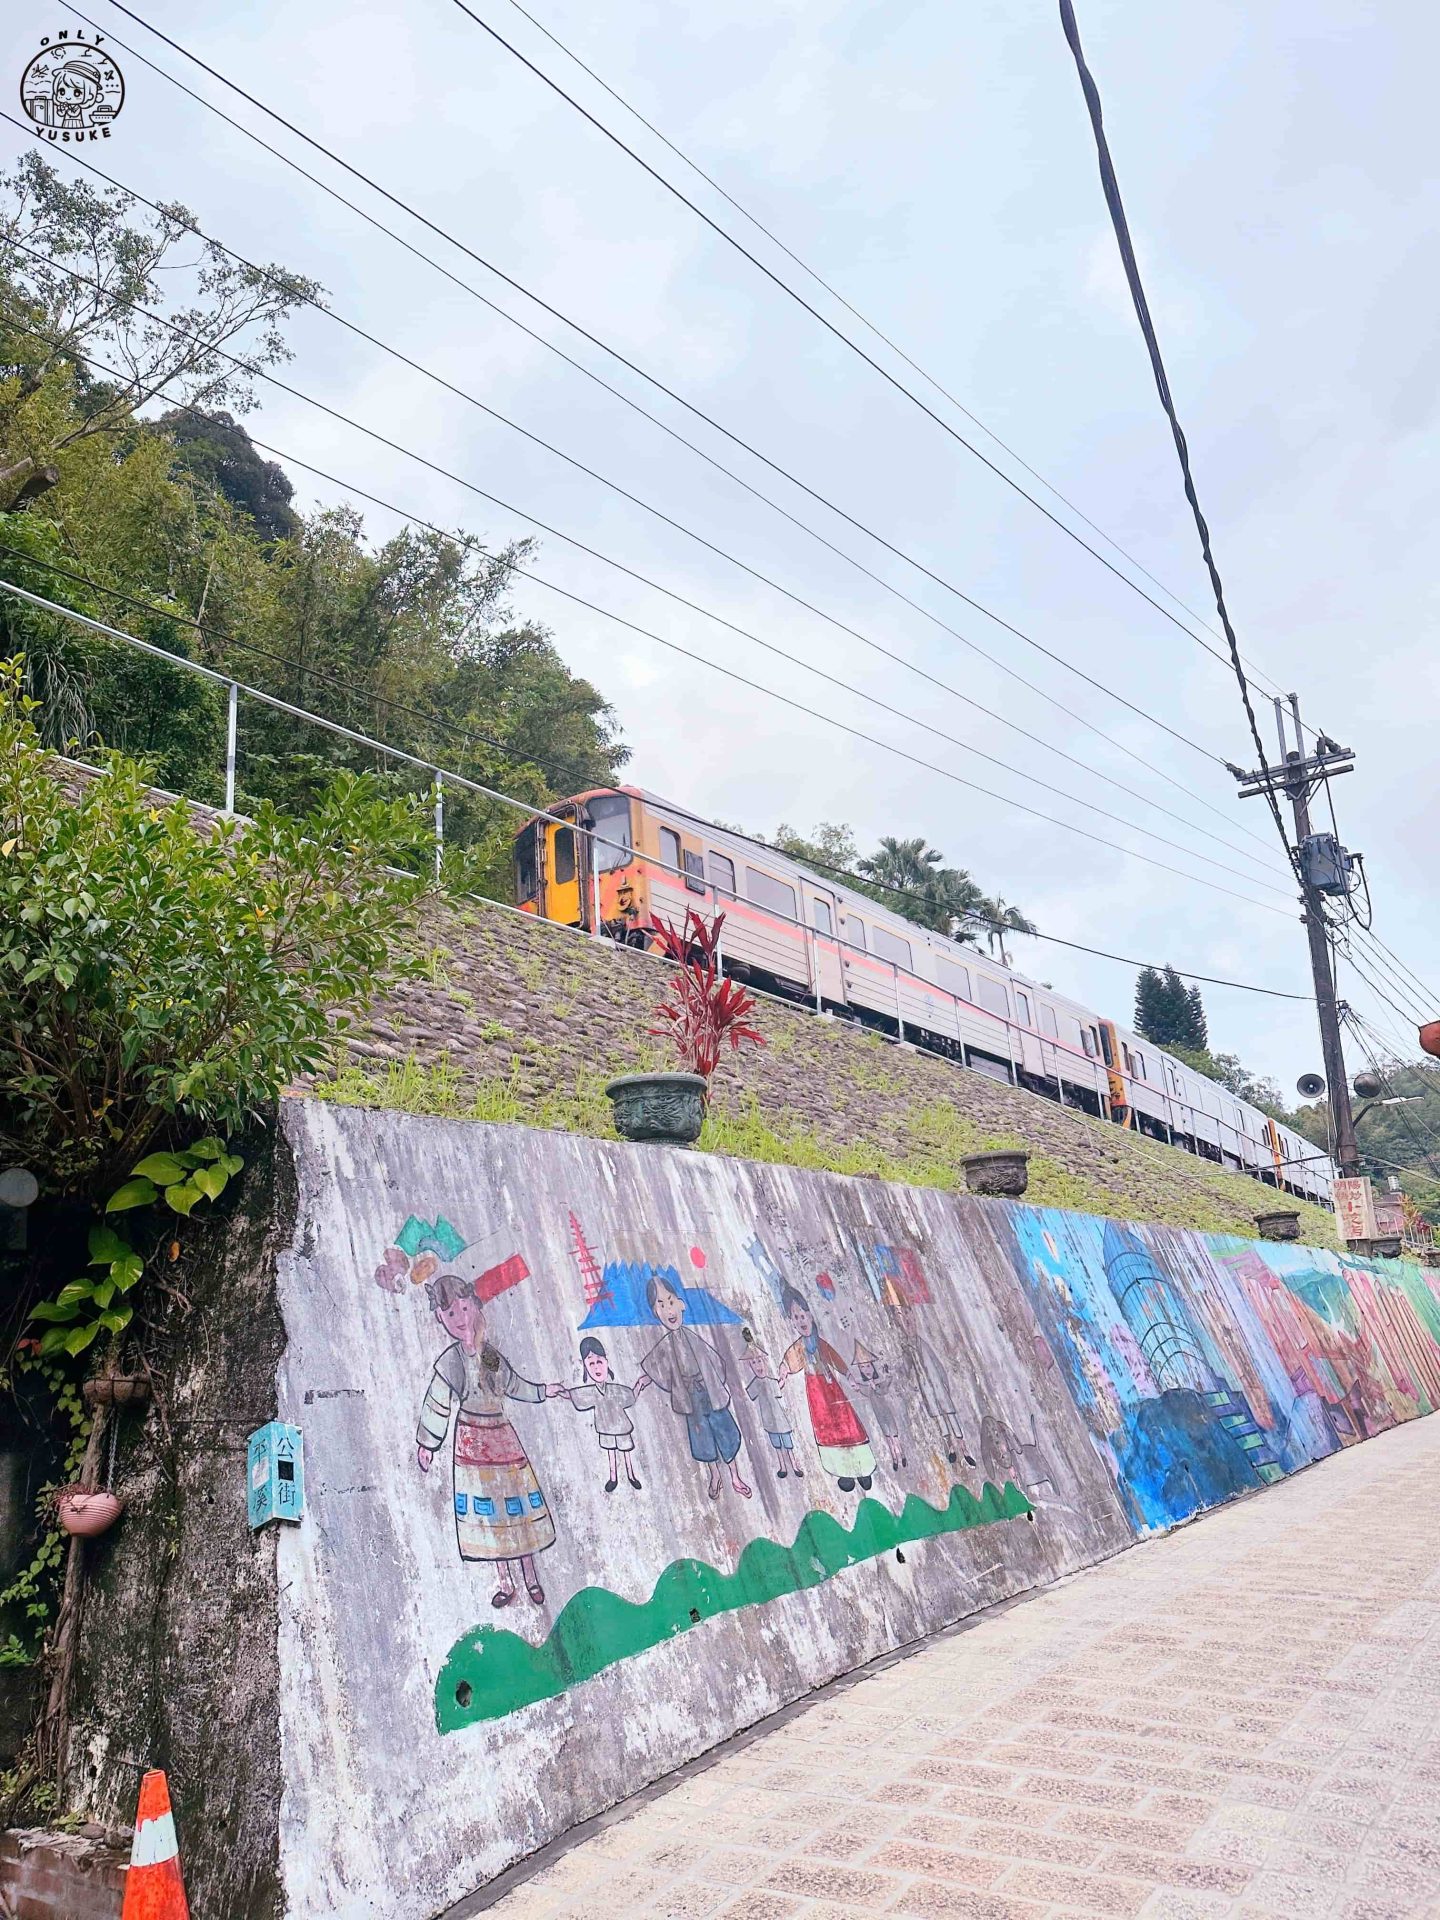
1167	1012
221	456
92	277
159	975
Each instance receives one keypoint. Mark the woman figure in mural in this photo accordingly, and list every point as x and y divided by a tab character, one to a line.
844	1445
500	1512
610	1400
762	1389
693	1374
871	1371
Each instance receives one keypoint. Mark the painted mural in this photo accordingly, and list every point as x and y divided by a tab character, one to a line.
611	1437
503	1519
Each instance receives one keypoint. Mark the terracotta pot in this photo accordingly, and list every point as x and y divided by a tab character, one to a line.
1002	1174
1278	1226
665	1107
116	1390
87	1511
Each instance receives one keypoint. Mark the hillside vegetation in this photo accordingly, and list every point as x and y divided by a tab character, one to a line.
516	1020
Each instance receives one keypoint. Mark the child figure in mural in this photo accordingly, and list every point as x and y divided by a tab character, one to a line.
500	1512
693	1374
844	1445
871	1372
610	1401
763	1390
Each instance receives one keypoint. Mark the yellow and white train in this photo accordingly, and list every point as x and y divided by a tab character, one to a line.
618	858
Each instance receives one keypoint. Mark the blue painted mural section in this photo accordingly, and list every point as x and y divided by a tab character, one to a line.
1206	1367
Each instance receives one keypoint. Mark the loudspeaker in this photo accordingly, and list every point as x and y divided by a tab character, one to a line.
1310	1085
1368	1086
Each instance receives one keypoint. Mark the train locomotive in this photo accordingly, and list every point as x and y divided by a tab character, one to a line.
615	859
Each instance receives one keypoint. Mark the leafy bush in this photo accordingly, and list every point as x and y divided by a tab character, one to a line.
702	1011
161	978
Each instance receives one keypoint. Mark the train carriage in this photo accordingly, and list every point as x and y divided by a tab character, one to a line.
619	860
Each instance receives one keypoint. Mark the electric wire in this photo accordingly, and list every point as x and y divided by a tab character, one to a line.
1431	998
622	360
898	659
1121	226
870	325
768	646
731	673
330	724
1407	1121
831	327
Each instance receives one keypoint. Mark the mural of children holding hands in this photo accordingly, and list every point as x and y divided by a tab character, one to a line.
610	1401
692	1373
763	1390
872	1371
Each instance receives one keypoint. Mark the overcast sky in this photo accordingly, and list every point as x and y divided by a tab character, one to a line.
935	164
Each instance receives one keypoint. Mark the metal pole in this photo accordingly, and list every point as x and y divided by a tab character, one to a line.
899	1016
439	825
596	929
1347	1152
232	716
812	954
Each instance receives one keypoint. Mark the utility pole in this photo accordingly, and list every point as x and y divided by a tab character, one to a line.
1324	869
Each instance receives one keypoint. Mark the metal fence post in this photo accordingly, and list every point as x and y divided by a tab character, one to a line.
232	716
597	932
899	1016
439	825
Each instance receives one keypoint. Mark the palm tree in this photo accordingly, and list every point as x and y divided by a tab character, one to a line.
1002	918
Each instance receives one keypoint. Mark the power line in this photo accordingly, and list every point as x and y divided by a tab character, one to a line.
1162	386
1415	1009
646	506
870	325
731	673
1430	997
768	646
333	726
651	380
838	332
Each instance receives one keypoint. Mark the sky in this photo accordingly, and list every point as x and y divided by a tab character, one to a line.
935	165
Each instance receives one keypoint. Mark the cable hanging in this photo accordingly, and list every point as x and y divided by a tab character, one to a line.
622	360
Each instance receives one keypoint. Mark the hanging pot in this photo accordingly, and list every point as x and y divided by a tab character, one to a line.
86	1512
1430	1037
116	1390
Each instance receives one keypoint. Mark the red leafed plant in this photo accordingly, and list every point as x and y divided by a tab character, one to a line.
703	1012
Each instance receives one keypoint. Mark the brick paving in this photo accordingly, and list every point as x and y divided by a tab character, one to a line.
1241	1719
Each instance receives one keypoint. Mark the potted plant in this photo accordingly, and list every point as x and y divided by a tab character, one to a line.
1281	1224
701	1013
1002	1173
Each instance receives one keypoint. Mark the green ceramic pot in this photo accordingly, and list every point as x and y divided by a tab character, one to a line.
664	1107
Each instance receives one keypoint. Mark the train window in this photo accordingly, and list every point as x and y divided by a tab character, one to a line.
722	873
955	979
853	930
694	872
1106	1050
1022	1002
1047	1021
525	866
1139	1065
1074	1032
766	891
670	848
890	946
1091	1044
824	918
564	856
614	837
993	996
1127	1056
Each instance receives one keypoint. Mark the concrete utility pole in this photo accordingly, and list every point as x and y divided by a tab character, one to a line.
1324	868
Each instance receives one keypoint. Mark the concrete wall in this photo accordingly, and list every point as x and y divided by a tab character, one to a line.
1091	1381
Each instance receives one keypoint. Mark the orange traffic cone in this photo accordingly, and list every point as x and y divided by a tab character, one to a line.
154	1889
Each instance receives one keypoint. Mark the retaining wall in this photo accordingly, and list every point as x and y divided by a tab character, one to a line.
932	1403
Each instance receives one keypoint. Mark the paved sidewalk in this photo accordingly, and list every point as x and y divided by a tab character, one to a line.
1241	1719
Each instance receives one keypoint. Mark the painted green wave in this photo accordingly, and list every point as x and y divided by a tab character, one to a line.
491	1671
